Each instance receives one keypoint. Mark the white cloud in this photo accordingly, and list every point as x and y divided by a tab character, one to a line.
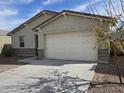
80	7
25	1
85	5
14	2
5	1
11	24
8	12
9	15
48	2
10	19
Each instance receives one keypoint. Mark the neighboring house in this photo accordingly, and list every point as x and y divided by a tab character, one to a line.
66	35
4	39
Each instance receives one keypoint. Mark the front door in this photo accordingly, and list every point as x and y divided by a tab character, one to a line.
36	45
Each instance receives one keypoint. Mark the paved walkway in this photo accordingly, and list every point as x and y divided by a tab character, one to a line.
48	76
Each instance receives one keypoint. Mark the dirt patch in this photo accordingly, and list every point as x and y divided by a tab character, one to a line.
7	63
105	73
107	88
106	77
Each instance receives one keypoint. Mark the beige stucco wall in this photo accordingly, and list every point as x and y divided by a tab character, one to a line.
72	23
28	33
28	36
4	40
66	23
69	23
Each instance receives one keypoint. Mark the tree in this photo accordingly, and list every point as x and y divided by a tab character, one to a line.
115	10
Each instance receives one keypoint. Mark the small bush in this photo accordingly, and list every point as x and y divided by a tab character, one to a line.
119	47
7	50
122	44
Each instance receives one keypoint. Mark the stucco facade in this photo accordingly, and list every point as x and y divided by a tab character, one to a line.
72	23
63	22
69	24
27	32
29	35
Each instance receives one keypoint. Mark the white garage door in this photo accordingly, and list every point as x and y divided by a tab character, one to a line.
71	46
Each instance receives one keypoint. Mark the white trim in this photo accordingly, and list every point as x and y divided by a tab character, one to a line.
45	45
86	16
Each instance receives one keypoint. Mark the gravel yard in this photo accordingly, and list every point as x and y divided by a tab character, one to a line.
7	63
106	77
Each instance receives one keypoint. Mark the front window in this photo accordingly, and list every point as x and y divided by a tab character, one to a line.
21	40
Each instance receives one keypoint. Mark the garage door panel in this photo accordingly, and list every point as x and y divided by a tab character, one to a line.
71	46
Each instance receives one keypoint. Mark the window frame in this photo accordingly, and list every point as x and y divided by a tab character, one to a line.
21	41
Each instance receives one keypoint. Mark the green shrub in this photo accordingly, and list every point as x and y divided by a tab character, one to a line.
122	44
7	50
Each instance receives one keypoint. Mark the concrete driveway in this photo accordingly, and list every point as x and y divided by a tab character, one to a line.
48	76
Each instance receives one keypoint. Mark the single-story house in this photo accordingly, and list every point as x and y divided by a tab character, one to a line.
4	39
67	35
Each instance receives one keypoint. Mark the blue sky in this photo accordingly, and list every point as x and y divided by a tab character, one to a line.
15	12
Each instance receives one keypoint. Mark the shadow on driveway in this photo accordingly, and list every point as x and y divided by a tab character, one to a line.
57	83
55	62
10	61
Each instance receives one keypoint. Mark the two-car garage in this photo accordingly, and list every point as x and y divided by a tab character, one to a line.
71	46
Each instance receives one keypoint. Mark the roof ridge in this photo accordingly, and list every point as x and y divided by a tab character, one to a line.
50	11
87	13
